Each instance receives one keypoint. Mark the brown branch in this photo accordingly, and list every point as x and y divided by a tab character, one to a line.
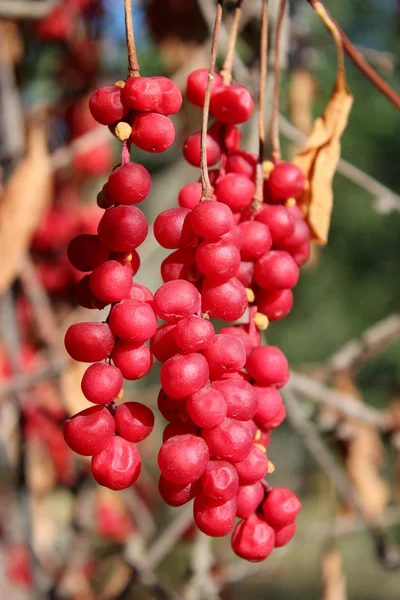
133	65
361	63
226	72
275	144
206	189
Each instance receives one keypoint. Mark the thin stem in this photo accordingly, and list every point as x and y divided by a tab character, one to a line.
226	72
362	64
133	65
206	189
275	143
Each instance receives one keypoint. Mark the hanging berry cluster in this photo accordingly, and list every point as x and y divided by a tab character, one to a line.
236	251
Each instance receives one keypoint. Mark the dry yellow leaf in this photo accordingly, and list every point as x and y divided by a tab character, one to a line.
319	157
333	577
26	195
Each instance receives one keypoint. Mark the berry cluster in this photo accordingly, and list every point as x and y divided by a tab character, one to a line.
106	431
230	254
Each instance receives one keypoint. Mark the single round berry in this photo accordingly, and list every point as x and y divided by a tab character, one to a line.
178	427
268	366
269	405
283	535
276	421
191	150
226	301
253	539
123	228
141	293
231	440
133	321
173	229
152	132
278	219
248	498
275	304
170	408
194	333
240	331
232	105
286	180
101	383
177	495
235	190
181	375
206	407
86	252
106	106
141	93
133	360
189	195
226	355
211	220
89	431
111	281
245	273
253	468
256	239
220	481
171	99
212	518
240	398
175	300
163	344
301	254
89	342
197	83
133	421
281	507
300	236
118	465
84	296
243	163
183	458
129	184
180	265
218	260
276	270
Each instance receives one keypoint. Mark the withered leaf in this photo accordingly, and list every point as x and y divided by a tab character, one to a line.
319	157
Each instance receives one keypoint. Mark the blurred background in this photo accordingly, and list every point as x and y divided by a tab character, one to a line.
61	535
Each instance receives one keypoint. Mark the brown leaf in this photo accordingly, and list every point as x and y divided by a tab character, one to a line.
333	577
319	158
26	195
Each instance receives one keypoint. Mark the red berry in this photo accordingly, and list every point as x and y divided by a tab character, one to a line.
232	105
206	407
171	100
211	220
240	332
111	281
89	431
276	304
118	465
141	293
173	229
89	342
278	219
142	93
301	254
219	260
133	360
106	106
226	355
214	519
181	375
286	180
197	83
180	265
276	270
300	236
256	239
163	344
240	397
177	495
133	421
175	300
170	408
248	498
179	427
84	296
243	163
268	366
226	301
133	321
86	252
191	150
101	383
220	481
235	190
276	421
183	459
128	184
231	440
194	333
245	273
283	535
152	132
281	507
253	539
190	195
269	405
123	228
253	468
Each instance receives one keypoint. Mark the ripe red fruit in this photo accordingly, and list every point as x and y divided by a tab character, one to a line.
248	498
231	440
141	293
123	228
235	190
242	334
178	427
253	539
274	422
226	301
84	296
133	360
276	304
194	333
89	342
183	459
281	507
240	397
191	150
253	468
219	260
86	252
128	184
118	465
163	344
111	281
101	383
211	220
173	229
220	481
181	375
89	431
206	407
133	321
133	421
175	300
170	408
171	99
286	180
226	355
152	132
276	270
245	273
242	162
269	405
197	83
232	105
256	239
190	195
177	495
214	519
301	254
268	366
283	535
141	93
300	236
180	265
106	106
278	219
